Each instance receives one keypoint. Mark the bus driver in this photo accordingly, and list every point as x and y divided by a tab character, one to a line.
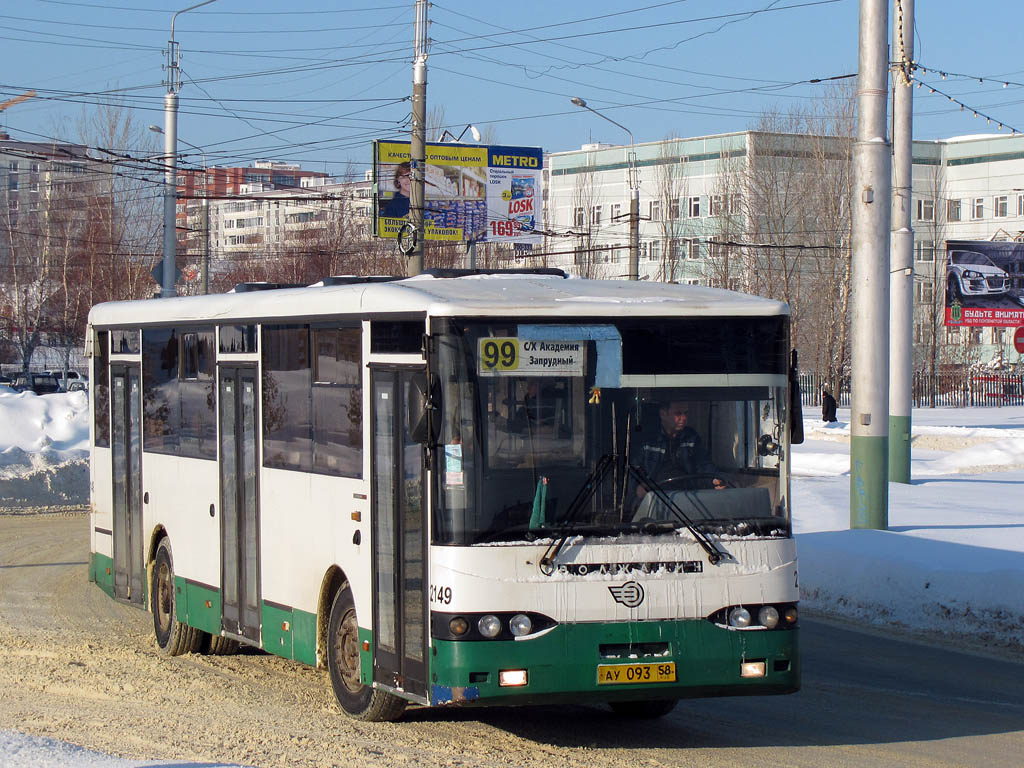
675	450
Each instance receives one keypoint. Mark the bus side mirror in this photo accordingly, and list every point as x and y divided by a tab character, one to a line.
796	408
424	409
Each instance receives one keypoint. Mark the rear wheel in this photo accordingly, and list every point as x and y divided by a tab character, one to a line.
357	700
172	637
217	645
643	710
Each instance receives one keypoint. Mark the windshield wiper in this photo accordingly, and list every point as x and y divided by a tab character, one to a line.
715	555
604	465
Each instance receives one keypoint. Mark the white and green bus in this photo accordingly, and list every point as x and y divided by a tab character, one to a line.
449	489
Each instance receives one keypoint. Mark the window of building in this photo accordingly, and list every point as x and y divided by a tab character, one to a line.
976	335
578	219
694	249
673	209
595	215
1000	206
952	335
920	337
616	212
924	250
998	335
978	208
691	281
924	291
1020	205
693	207
953	210
655	250
735	203
655	210
716	205
925	210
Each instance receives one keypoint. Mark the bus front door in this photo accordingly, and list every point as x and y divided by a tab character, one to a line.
126	454
399	538
239	502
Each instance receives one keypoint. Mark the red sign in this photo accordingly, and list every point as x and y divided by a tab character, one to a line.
957	315
1018	340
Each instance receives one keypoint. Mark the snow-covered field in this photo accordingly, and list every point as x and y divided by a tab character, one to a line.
952	560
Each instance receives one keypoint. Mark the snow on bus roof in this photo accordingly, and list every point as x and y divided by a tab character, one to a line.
472	295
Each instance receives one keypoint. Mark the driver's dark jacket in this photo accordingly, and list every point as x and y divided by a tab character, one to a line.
662	456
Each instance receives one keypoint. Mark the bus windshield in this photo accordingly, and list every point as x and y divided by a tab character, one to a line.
533	450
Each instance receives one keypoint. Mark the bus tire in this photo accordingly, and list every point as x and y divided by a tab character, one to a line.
172	637
218	645
361	702
643	710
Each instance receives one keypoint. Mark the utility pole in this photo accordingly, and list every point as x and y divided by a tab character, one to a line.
869	282
418	143
901	247
170	245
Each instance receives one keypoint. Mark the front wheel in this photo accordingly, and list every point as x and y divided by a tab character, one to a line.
172	637
359	701
643	710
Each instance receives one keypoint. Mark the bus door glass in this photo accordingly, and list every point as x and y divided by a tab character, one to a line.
127	475
398	534
239	501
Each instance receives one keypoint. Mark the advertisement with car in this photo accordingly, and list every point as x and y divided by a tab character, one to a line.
472	193
984	283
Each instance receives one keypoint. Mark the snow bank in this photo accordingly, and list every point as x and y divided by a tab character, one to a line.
44	450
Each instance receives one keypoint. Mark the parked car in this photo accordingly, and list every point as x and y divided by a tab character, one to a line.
58	373
78	385
40	383
6	381
969	273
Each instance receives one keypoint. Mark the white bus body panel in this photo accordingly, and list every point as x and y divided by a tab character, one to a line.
507	578
180	494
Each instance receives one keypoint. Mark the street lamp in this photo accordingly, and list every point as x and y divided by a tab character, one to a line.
170	132
205	270
634	188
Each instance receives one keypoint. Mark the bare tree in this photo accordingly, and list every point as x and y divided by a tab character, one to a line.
587	219
786	210
665	207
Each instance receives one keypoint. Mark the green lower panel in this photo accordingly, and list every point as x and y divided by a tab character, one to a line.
200	607
562	665
289	632
101	571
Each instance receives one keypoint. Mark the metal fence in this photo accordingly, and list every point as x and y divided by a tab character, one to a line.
947	390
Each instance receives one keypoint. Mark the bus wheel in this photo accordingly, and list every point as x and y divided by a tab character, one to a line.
643	710
217	645
172	637
357	700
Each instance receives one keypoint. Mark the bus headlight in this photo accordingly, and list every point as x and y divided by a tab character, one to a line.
520	625
489	625
768	616
789	615
739	617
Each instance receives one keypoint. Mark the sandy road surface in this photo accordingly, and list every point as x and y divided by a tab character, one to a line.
75	665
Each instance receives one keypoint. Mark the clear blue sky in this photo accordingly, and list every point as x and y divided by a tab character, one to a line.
313	81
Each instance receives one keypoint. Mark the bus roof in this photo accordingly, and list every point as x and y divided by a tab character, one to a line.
469	296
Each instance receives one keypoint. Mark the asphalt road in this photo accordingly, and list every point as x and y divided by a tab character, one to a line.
76	666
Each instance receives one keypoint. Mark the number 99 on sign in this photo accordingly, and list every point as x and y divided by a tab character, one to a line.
499	354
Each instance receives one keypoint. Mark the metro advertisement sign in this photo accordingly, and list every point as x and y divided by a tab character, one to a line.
473	193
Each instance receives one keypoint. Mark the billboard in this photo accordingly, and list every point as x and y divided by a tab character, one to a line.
473	193
984	283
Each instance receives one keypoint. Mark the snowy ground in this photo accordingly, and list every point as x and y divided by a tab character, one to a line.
952	561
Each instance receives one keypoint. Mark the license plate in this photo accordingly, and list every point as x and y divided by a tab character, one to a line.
615	674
